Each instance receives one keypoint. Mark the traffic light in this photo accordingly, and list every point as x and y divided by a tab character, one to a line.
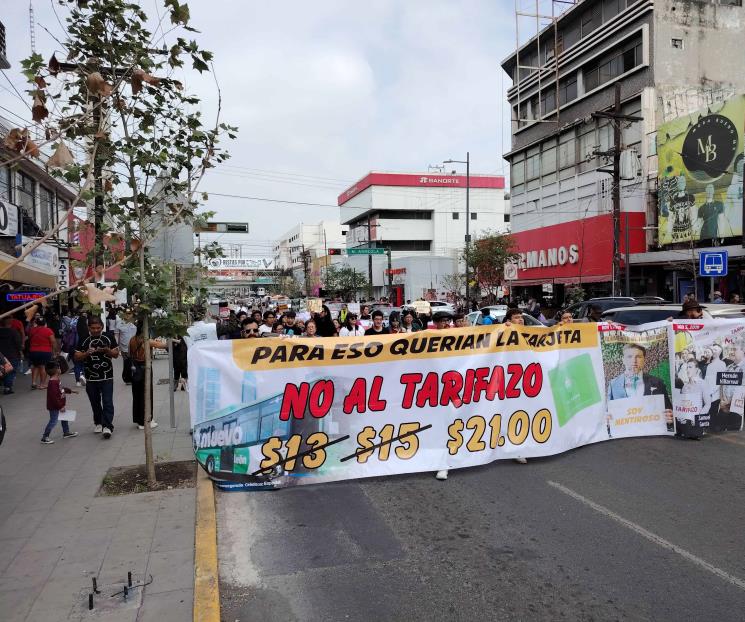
334	251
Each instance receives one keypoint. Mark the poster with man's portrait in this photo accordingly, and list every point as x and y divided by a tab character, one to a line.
637	375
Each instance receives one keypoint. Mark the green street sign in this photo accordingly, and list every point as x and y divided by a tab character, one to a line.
366	251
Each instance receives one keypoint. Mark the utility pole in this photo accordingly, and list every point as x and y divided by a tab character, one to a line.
306	269
369	261
616	117
467	162
390	275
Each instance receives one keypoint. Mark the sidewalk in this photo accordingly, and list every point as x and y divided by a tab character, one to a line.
55	534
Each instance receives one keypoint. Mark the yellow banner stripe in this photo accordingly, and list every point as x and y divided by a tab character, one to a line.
293	352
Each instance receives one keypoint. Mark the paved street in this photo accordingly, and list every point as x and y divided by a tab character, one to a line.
640	529
55	534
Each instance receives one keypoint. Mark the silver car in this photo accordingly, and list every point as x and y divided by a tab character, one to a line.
497	313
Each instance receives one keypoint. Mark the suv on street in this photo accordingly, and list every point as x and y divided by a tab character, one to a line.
642	314
581	310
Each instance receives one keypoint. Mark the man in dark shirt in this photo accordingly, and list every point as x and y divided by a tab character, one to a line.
96	353
377	327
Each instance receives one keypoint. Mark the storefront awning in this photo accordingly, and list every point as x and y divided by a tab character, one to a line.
22	273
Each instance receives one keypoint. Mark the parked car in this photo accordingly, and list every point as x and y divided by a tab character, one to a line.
642	314
581	310
726	311
497	313
439	305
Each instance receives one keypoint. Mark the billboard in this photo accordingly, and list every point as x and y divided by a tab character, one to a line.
701	158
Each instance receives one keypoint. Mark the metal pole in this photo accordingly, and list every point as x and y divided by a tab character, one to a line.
468	226
171	393
616	186
626	258
390	275
369	262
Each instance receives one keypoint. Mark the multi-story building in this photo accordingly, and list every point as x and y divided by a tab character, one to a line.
421	218
668	58
299	247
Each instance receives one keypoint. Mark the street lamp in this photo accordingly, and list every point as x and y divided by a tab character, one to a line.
467	162
627	275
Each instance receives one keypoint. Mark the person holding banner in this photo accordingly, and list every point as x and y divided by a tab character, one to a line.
377	327
350	328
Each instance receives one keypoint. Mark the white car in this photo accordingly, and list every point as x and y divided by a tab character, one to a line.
439	305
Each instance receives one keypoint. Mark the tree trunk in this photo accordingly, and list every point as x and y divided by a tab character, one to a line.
147	391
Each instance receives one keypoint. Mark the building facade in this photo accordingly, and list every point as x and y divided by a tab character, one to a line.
421	219
663	56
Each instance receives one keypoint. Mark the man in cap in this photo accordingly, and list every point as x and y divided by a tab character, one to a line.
691	310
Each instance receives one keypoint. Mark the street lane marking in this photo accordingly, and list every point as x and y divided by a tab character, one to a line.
730	439
654	538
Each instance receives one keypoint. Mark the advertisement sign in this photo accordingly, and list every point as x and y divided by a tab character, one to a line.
8	219
287	412
241	263
23	296
707	371
45	257
636	364
700	177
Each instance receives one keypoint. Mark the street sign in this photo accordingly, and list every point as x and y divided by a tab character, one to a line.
366	251
510	272
712	263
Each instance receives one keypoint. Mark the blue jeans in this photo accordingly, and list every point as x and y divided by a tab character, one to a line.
53	417
101	396
9	379
78	367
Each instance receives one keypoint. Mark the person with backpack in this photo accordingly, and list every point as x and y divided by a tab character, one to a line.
125	330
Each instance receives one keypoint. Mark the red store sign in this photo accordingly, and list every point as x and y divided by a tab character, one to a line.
573	251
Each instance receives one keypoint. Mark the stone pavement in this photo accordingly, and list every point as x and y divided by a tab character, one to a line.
55	534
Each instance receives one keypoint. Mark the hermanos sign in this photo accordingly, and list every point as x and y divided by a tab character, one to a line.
543	258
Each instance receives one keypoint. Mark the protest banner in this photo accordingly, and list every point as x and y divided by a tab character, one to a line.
707	365
636	364
286	412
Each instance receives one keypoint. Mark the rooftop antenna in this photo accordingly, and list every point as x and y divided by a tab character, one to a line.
31	25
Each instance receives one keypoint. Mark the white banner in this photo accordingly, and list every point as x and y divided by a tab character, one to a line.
283	412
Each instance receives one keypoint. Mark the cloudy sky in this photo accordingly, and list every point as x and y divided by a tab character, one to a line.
324	92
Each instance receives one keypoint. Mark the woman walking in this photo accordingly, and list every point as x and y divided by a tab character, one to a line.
42	346
137	358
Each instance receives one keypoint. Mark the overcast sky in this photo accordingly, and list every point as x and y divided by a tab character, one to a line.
324	92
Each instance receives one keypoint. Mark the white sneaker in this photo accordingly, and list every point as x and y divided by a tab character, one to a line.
153	424
442	475
26	373
78	384
83	381
140	427
521	460
106	433
98	429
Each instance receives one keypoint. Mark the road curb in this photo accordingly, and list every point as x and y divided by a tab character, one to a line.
206	583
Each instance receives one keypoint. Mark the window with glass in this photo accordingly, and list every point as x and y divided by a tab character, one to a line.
517	174
474	215
456	216
567	90
533	166
548	160
611	65
548	101
587	143
5	186
26	194
46	208
567	150
591	19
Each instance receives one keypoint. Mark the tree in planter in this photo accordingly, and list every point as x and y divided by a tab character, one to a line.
344	281
117	95
487	256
